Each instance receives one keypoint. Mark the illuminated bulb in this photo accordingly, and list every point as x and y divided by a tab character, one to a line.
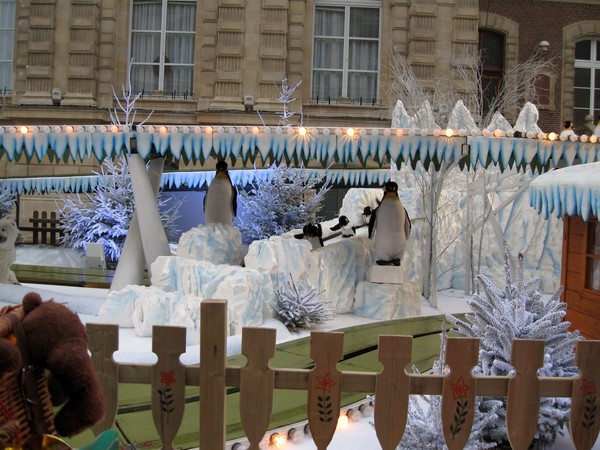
69	129
350	132
302	131
343	421
573	138
583	138
23	130
593	139
296	435
399	132
278	440
541	136
255	130
162	130
209	130
498	133
114	129
552	136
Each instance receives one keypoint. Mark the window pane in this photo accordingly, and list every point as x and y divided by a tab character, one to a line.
179	79
363	86
363	55
145	47
592	276
328	53
327	85
144	78
7	15
6	45
181	16
146	15
583	50
582	77
364	22
180	48
581	99
329	21
5	76
492	50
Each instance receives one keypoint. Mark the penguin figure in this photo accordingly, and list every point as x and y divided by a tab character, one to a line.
390	225
220	201
345	226
366	215
313	234
567	129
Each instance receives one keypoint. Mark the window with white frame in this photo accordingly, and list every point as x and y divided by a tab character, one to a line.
587	80
163	34
7	39
346	50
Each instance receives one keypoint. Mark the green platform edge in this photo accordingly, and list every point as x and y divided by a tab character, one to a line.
134	416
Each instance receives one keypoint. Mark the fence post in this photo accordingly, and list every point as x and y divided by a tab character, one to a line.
104	341
213	351
392	389
585	407
458	391
324	386
257	381
168	382
524	389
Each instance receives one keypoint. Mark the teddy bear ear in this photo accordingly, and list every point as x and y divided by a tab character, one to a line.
31	301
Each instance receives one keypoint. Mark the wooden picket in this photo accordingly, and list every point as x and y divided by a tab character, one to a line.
324	384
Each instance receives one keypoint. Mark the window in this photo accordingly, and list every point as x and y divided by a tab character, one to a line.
346	53
592	257
162	46
586	93
7	37
491	47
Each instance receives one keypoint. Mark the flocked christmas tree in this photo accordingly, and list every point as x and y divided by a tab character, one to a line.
424	422
518	311
104	215
299	305
286	200
7	200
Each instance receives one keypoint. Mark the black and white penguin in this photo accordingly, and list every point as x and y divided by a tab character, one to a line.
390	225
220	201
313	234
344	226
366	215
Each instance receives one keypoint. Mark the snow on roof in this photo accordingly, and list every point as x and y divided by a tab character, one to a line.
572	191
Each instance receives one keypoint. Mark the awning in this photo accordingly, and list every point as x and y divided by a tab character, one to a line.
572	191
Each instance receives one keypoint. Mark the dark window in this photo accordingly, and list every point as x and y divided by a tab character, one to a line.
491	47
592	259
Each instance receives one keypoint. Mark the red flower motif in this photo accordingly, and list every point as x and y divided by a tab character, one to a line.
325	382
167	378
588	387
459	389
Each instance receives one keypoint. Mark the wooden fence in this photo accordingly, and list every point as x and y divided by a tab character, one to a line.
324	384
45	228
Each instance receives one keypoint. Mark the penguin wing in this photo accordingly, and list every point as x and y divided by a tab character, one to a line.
372	223
299	236
204	202
234	200
335	227
407	224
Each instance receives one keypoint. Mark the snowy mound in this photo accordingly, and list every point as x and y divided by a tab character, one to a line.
217	243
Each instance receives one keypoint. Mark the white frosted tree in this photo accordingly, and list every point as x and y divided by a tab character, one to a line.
285	97
288	198
8	200
518	311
